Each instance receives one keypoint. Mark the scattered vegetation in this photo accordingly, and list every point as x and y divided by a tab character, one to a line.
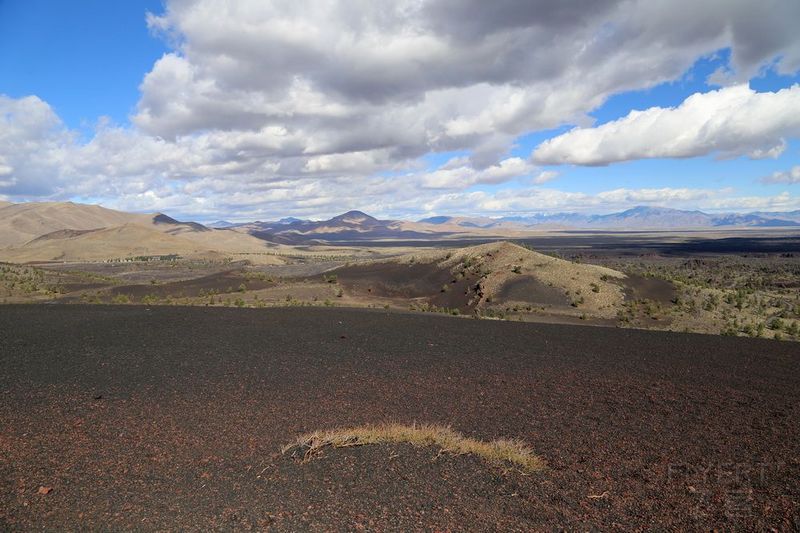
425	307
499	452
144	258
750	295
121	299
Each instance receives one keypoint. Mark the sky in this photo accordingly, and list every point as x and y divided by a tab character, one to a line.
258	109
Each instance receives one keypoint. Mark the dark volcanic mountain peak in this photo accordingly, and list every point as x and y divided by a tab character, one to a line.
161	218
355	217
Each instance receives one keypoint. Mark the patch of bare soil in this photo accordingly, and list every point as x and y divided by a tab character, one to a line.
222	282
528	289
394	280
129	273
297	270
83	286
332	492
642	288
408	282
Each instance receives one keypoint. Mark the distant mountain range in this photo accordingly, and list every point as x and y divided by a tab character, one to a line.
350	226
358	226
641	217
65	231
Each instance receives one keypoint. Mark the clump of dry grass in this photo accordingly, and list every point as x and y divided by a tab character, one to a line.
497	451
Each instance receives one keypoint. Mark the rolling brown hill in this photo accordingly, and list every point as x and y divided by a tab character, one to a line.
65	231
490	277
21	223
127	240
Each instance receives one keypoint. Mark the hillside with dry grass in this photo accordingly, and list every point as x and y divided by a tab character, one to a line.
489	279
21	223
64	231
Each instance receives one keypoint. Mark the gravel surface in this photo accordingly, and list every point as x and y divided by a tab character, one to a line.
120	418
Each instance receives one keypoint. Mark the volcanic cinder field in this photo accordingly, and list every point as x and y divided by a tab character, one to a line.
136	417
427	265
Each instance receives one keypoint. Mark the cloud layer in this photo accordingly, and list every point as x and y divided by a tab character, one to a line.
732	121
415	77
787	176
279	107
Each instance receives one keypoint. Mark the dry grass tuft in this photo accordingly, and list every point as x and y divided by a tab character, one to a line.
498	451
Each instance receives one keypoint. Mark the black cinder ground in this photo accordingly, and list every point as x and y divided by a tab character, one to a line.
172	418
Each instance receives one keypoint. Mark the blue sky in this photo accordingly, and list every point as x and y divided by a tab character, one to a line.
208	110
85	58
741	172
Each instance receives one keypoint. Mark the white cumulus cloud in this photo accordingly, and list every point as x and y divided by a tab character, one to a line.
459	174
731	121
545	176
786	176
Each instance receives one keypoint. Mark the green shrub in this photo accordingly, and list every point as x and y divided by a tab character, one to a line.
776	324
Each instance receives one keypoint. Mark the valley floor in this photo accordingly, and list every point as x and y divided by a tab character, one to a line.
753	291
135	417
